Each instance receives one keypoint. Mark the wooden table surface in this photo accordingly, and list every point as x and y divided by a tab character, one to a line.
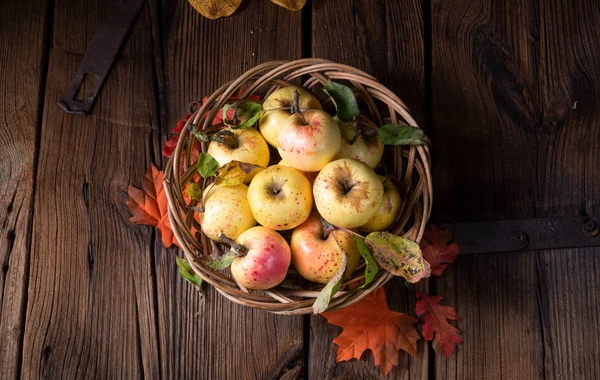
509	91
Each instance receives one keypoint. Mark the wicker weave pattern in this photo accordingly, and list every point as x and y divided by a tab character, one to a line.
409	164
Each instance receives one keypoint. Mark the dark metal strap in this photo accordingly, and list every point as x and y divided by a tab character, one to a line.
101	53
525	234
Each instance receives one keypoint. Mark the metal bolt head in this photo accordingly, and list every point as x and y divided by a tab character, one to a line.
519	240
591	228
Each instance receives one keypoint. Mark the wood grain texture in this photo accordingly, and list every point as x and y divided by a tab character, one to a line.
21	78
214	338
512	143
385	39
91	310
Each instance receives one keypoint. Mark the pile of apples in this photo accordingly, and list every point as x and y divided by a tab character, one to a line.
324	190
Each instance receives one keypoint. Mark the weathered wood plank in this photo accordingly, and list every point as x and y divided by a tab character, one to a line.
214	338
385	39
21	78
506	76
90	311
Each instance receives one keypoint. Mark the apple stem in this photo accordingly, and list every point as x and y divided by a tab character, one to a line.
327	228
351	232
295	108
239	249
196	208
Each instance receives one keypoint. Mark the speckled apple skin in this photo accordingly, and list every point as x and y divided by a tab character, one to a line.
317	259
352	208
368	153
388	211
289	207
252	148
226	210
310	176
270	123
309	147
267	261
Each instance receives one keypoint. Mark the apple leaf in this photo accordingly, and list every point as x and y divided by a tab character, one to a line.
292	5
372	268
244	115
187	273
398	134
215	8
219	262
249	112
207	165
329	290
194	191
233	173
398	255
343	99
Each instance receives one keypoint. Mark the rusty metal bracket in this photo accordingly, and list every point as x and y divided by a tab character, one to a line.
101	53
525	234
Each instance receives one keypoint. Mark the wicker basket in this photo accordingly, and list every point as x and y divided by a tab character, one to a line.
410	165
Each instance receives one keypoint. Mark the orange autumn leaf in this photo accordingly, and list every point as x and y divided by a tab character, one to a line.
149	205
292	5
370	325
436	322
436	249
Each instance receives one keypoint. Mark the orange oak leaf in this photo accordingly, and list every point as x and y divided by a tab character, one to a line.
436	250
436	322
149	205
370	324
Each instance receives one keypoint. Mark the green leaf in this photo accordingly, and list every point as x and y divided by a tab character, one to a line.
194	191
249	113
397	134
187	273
329	290
344	100
219	262
207	165
372	267
398	255
226	108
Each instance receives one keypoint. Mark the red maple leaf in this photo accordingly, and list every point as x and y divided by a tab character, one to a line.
436	322
436	250
149	205
370	324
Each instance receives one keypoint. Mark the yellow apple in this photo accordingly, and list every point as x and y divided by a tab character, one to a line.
309	140
267	261
280	197
270	123
347	193
246	145
367	147
316	257
226	211
387	212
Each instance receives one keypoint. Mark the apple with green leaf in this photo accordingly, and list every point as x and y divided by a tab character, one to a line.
276	108
360	141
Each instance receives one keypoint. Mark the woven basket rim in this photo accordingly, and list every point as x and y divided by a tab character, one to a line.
410	163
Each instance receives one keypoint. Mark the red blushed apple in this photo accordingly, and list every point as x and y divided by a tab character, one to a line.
267	261
317	257
309	140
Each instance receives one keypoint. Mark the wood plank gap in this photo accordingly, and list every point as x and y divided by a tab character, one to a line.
306	22
47	43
